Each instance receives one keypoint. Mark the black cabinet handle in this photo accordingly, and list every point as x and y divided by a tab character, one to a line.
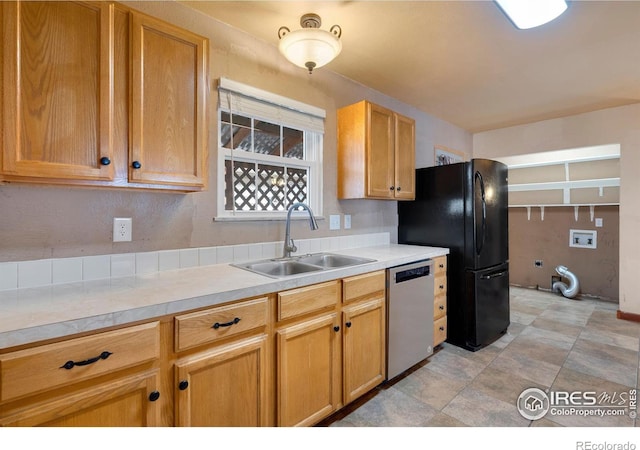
105	161
228	324
136	164
441	307
155	395
348	324
441	328
441	286
71	364
391	188
398	189
336	329
183	385
441	266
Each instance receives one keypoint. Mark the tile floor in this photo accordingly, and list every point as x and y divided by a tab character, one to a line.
553	343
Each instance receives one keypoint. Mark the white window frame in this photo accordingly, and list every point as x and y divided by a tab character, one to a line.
248	101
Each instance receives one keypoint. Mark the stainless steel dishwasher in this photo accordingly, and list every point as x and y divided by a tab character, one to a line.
409	315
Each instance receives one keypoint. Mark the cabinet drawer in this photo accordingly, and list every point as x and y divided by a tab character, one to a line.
41	368
440	265
361	286
297	302
216	323
440	285
439	331
439	307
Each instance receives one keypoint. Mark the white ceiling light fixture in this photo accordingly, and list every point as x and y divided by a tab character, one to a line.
532	13
310	47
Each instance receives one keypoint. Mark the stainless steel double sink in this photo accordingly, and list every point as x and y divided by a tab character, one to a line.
296	265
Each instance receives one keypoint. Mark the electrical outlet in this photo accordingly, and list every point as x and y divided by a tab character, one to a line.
122	229
334	222
347	221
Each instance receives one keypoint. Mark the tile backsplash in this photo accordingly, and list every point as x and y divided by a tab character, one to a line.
44	272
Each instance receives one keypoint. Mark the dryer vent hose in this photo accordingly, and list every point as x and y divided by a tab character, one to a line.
568	291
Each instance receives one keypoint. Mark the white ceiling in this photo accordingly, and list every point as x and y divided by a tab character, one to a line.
464	61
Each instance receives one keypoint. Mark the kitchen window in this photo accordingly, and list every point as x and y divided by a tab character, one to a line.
269	153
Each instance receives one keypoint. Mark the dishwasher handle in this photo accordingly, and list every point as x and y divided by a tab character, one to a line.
411	274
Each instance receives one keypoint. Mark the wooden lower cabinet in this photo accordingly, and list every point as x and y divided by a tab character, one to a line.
364	347
286	359
333	357
308	370
129	401
223	387
440	301
106	379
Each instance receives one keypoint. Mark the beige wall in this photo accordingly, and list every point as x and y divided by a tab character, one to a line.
610	126
531	239
51	222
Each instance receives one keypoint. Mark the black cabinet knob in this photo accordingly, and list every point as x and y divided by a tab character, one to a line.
391	188
442	307
105	161
348	324
136	164
155	395
441	328
183	385
398	189
336	329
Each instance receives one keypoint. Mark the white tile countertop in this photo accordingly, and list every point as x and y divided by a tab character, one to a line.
34	314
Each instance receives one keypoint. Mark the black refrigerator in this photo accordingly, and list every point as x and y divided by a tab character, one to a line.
464	207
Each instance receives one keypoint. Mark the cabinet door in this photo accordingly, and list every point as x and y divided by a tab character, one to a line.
308	371
380	152
405	168
57	90
364	347
168	119
223	387
124	402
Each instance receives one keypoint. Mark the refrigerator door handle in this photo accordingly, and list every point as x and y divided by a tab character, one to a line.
478	176
494	275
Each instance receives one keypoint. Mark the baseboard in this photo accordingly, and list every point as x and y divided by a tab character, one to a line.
628	316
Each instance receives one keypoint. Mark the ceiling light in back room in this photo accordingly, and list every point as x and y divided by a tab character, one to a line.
532	13
310	47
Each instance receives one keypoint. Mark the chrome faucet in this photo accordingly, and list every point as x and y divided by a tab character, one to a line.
289	245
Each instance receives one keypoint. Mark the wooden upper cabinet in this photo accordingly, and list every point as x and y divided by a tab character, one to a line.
57	90
405	161
168	117
380	154
376	153
95	93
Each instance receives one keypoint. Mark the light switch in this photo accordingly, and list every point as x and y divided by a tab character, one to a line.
347	221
